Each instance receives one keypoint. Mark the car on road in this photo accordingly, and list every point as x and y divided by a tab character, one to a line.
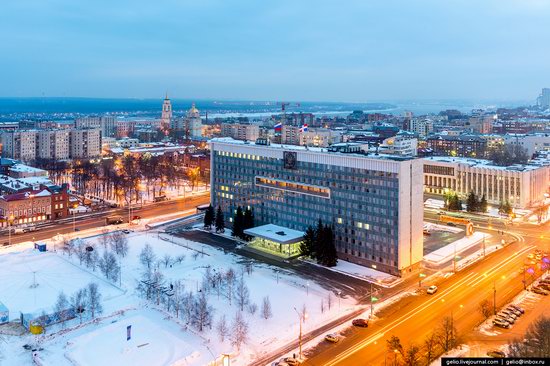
538	257
431	290
530	255
360	322
539	291
281	362
332	338
136	217
126	231
496	354
518	308
501	323
451	224
544	286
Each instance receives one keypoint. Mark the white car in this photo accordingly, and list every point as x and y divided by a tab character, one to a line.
431	290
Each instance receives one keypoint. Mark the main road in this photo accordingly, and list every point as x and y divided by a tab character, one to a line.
94	220
459	296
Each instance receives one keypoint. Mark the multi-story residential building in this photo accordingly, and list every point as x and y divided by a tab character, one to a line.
476	146
125	128
19	145
531	143
544	98
402	144
107	124
422	126
85	143
321	137
374	203
8	126
53	144
240	131
34	206
521	185
482	123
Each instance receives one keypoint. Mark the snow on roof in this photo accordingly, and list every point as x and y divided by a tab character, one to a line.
482	163
26	169
276	233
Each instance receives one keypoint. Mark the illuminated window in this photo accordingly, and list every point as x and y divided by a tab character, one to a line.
339	220
360	225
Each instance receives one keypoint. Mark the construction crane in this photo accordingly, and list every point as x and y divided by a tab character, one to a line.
284	105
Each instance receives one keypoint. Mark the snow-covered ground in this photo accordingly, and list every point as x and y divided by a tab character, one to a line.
447	252
364	273
157	336
437	227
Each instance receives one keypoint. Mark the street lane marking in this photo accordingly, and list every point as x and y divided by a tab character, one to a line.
499	266
398	321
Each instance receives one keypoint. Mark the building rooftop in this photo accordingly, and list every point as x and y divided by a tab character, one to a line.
532	165
276	233
356	149
25	195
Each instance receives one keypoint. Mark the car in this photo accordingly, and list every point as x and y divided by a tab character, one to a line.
126	231
496	354
136	217
518	308
509	313
501	323
530	256
505	318
431	290
281	362
515	311
538	257
539	291
545	281
291	361
360	322
332	338
451	224
544	286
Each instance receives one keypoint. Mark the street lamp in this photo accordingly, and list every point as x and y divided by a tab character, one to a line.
420	277
301	317
495	295
10	222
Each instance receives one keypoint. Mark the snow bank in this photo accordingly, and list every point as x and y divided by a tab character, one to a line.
447	252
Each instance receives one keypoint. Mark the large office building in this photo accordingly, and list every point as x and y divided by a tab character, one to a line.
544	98
373	202
521	185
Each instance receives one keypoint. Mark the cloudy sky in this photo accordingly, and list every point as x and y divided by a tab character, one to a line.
358	51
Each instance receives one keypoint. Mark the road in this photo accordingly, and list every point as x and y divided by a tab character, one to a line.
458	296
89	221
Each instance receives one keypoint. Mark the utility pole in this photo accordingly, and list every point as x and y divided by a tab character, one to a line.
495	297
371	305
454	260
300	339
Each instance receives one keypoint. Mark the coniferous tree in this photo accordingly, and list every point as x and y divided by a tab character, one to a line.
248	221
471	202
209	217
331	257
318	244
238	223
307	246
483	204
220	221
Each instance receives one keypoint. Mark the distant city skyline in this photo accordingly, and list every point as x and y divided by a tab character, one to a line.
306	51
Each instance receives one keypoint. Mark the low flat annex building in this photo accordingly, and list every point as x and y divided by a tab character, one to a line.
275	239
374	203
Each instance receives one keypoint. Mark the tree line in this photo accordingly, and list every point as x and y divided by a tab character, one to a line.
318	244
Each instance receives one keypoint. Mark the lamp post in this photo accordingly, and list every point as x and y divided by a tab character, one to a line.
300	316
495	295
10	222
420	277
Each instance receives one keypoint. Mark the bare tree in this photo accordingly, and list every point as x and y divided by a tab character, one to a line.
412	355
329	300
322	306
266	308
166	260
430	347
119	243
104	238
188	305
447	335
394	346
179	292
147	257
229	283
202	316
195	255
108	265
78	302
61	308
304	312
94	299
67	245
239	335
242	294
252	308
486	308
222	328
180	258
157	278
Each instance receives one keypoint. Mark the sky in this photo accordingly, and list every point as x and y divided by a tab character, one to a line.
294	50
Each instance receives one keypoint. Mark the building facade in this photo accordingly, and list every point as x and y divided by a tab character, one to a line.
523	186
422	126
193	123
373	203
472	146
107	124
85	143
53	144
240	131
19	145
166	115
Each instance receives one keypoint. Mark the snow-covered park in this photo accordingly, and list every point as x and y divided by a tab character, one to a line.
187	303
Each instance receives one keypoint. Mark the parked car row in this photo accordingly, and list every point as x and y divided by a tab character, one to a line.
542	288
508	316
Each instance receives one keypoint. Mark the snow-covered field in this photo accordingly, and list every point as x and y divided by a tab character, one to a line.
158	337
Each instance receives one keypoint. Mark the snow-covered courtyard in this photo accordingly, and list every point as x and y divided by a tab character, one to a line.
164	330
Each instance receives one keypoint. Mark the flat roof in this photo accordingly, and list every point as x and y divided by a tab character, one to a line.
276	233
